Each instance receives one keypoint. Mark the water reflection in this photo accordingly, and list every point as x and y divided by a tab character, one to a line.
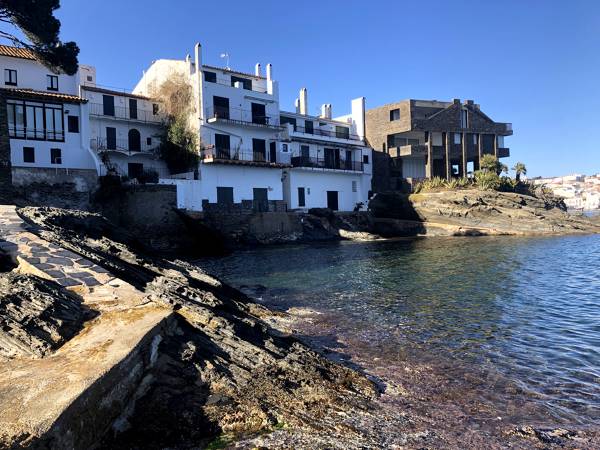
527	309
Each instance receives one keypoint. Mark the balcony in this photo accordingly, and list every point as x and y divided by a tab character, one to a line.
503	152
122	113
121	145
238	116
327	163
327	133
243	157
412	150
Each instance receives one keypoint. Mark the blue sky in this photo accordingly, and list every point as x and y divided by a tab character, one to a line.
530	62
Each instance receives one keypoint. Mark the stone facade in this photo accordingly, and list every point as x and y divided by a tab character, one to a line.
431	138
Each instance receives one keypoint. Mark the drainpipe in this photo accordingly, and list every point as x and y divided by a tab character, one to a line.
198	58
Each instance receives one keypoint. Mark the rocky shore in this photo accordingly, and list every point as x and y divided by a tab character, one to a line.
104	343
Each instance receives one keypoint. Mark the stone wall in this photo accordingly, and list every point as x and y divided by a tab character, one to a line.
83	180
379	125
245	207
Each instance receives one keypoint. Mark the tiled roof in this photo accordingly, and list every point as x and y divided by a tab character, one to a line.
114	92
16	52
50	96
223	69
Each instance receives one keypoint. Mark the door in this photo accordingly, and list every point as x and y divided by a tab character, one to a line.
259	114
111	138
220	107
134	140
332	200
224	195
332	158
348	164
108	105
222	146
133	113
135	170
273	152
301	196
259	150
261	200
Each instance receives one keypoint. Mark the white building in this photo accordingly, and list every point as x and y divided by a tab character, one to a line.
331	164
47	123
125	130
248	154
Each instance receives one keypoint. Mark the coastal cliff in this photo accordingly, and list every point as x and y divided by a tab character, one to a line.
475	212
107	345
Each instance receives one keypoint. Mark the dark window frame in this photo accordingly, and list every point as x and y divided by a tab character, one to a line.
221	110
108	107
301	198
393	113
29	154
73	124
43	133
210	77
55	154
52	82
246	82
10	73
365	159
155	109
309	127
133	108
342	132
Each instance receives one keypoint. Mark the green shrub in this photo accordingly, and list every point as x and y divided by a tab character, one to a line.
487	181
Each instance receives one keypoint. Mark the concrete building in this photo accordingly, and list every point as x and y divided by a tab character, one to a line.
250	159
331	165
46	121
416	139
125	130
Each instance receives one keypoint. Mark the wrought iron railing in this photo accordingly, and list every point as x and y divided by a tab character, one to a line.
327	163
316	131
123	145
242	116
120	112
227	154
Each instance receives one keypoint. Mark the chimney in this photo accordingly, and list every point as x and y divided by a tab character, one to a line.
456	101
468	102
269	72
257	70
297	105
328	110
303	101
324	110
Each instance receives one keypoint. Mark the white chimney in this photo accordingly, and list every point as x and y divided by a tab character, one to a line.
257	69
303	101
324	110
269	72
328	111
297	106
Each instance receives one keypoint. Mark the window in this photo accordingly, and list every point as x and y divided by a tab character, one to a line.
55	156
457	138
10	77
474	139
365	159
354	186
259	149
224	195
89	78
33	120
309	127
210	77
52	81
246	83
28	155
463	118
133	110
73	124
154	109
259	114
500	141
284	148
394	115
134	140
221	107
342	132
108	105
148	141
301	197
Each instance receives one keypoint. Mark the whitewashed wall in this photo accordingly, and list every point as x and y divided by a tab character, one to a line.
242	178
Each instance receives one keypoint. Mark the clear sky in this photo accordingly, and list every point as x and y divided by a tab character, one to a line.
530	62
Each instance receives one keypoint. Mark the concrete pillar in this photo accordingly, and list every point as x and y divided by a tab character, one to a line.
448	161
496	146
464	154
479	150
6	187
429	166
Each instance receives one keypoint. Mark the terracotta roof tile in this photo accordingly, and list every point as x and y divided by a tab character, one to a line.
16	52
50	96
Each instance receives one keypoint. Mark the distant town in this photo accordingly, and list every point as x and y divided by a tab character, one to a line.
579	191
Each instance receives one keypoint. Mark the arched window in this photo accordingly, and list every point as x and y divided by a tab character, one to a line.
135	144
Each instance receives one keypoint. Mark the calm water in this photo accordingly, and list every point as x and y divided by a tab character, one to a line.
526	309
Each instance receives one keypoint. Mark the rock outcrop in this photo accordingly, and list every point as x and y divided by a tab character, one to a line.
477	212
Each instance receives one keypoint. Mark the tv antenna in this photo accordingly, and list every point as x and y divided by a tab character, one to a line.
226	57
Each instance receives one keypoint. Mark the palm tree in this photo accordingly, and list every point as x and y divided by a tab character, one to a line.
519	169
489	163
